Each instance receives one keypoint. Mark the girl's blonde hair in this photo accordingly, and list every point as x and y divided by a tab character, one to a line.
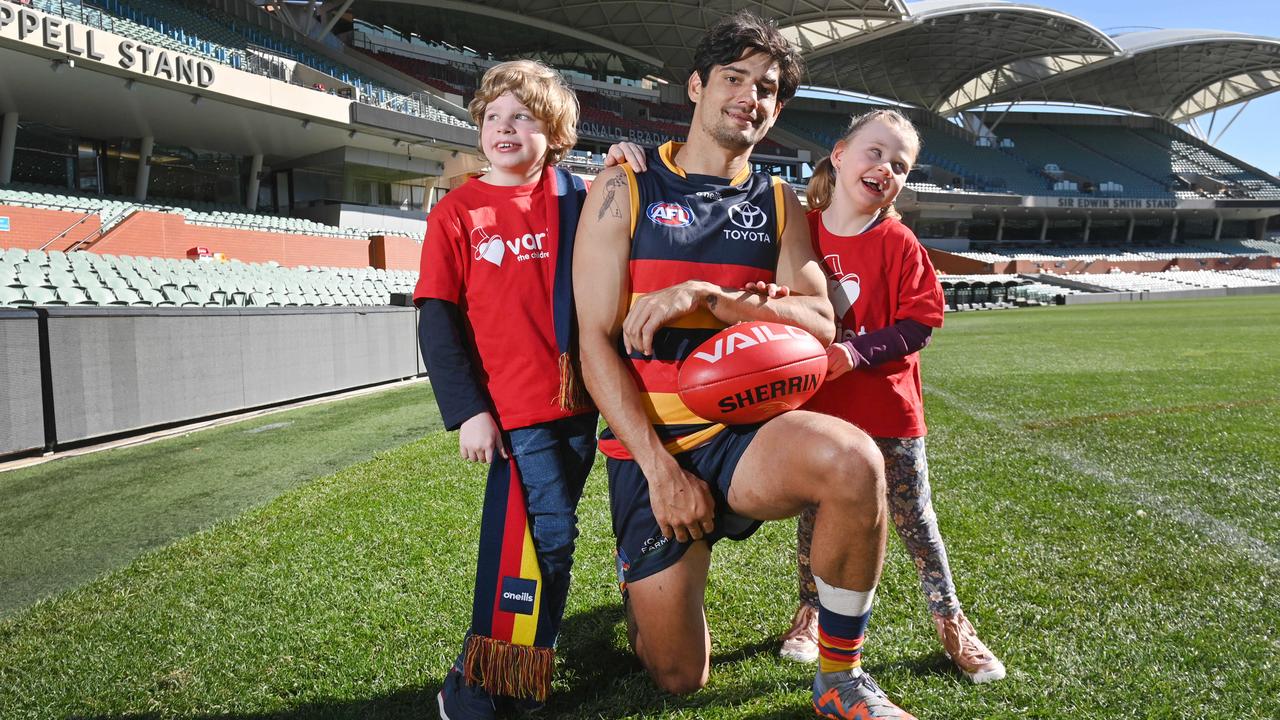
543	91
823	182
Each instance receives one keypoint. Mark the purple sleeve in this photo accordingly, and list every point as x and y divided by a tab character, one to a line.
889	343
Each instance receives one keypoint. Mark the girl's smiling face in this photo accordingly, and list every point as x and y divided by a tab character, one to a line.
872	165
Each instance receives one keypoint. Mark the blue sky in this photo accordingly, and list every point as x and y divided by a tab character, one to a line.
1253	136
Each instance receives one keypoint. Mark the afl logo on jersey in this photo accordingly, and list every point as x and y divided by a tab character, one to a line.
670	214
746	216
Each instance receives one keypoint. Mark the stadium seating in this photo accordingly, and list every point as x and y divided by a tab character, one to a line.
1204	250
203	30
1186	157
980	292
1174	280
1094	153
1140	162
81	278
114	209
441	76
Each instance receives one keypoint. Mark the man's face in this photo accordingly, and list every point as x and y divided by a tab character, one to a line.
739	102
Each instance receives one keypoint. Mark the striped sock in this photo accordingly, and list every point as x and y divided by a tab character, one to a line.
842	623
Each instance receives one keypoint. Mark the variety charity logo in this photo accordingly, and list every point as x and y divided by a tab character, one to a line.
493	248
843	288
488	247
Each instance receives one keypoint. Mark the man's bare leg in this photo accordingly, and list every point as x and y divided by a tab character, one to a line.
667	625
800	459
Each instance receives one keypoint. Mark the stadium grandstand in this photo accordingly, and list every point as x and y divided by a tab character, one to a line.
215	158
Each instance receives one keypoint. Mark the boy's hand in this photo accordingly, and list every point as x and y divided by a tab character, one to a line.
839	360
628	152
479	439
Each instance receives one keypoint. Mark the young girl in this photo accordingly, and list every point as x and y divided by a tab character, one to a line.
496	334
887	302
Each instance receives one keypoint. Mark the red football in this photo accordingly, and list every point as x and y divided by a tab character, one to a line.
752	371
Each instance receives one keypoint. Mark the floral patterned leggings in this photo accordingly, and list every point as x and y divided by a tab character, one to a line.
910	506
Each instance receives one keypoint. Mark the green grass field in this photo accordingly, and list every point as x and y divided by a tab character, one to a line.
1107	478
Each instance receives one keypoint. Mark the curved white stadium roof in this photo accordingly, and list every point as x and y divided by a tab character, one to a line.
944	55
1174	74
928	57
664	30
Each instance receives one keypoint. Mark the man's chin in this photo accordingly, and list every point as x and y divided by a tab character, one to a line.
735	140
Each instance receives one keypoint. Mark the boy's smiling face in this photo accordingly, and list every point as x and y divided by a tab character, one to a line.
514	141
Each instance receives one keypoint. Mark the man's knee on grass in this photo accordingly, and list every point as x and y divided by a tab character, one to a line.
667	627
678	664
677	674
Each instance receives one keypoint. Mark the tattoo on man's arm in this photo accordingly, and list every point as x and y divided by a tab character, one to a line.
613	184
712	299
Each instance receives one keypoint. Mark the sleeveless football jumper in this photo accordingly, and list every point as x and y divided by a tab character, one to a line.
692	227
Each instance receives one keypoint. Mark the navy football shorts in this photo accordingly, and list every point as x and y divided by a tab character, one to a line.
642	550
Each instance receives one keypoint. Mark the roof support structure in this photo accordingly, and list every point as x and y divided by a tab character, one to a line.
334	16
475	8
1230	122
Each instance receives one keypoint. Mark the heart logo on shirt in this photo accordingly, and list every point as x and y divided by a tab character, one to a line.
844	292
489	248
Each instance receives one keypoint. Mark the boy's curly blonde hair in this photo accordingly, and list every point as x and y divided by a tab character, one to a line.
543	91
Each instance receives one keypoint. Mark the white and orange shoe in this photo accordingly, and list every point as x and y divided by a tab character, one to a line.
853	695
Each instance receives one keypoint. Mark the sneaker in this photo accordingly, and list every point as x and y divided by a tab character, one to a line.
853	696
460	701
800	643
960	642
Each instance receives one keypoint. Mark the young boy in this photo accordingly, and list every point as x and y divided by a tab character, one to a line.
496	334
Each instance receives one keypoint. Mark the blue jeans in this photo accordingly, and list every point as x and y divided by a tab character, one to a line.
554	459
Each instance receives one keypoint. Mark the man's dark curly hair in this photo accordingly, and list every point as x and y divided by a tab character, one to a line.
733	35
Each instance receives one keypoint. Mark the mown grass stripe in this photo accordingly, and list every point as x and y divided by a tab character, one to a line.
1193	518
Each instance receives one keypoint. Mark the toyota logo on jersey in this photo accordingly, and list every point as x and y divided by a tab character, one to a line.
670	214
746	216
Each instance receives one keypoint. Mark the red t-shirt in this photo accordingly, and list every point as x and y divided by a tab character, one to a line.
874	280
488	250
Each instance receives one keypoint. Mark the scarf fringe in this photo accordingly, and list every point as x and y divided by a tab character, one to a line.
501	668
573	391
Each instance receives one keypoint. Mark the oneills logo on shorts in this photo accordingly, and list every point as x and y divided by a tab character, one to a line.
669	214
518	595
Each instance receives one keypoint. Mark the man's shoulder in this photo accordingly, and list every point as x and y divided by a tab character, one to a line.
614	173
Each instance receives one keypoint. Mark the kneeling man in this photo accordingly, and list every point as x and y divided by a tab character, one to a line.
664	259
